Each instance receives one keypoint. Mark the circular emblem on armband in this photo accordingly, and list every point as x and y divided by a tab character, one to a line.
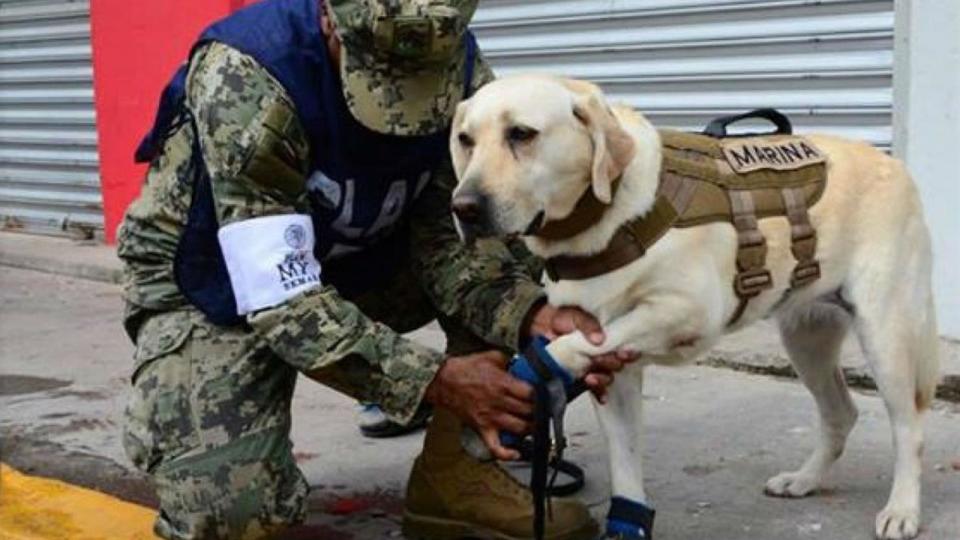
295	236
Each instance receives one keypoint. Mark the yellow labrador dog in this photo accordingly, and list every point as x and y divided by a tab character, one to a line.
527	148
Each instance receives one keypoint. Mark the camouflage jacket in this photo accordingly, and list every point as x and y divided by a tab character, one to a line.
235	103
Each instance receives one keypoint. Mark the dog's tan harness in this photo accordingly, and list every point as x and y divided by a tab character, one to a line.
707	179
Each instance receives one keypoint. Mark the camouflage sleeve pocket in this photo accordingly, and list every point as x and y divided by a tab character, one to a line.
159	336
278	161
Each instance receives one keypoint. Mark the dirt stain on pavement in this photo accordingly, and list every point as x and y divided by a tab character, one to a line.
85	395
35	455
367	514
73	426
313	532
16	385
377	501
55	416
301	457
701	470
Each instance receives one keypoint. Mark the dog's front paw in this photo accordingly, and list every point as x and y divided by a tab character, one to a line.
792	485
564	350
898	523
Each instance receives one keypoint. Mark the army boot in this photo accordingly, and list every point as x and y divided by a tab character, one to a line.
451	495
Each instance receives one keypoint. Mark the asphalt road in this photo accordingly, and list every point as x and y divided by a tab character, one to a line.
715	435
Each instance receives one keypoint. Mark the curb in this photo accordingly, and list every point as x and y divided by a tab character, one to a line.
81	271
52	255
947	390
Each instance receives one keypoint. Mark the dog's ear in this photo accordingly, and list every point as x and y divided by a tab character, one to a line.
613	148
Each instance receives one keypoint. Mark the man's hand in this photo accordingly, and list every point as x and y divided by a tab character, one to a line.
552	322
479	391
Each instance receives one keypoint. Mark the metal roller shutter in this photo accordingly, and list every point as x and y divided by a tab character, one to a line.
828	64
49	179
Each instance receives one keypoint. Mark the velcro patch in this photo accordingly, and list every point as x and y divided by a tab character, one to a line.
780	154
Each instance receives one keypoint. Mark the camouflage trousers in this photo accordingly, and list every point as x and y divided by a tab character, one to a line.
209	418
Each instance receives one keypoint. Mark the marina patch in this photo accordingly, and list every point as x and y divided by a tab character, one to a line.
780	153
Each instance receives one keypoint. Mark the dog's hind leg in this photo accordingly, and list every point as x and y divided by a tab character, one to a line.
896	324
894	345
813	339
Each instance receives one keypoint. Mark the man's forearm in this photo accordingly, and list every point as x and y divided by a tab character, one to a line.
329	339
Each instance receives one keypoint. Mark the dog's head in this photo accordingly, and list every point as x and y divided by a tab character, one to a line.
525	149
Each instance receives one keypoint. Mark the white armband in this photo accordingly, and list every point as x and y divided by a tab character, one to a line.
269	259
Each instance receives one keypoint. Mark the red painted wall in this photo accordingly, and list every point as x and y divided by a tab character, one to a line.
136	48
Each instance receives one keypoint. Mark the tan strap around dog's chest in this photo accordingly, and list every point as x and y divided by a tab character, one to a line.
735	180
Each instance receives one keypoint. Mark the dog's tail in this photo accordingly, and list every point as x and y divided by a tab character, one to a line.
917	300
927	358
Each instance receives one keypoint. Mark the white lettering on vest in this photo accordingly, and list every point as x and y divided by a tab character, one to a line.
391	210
342	223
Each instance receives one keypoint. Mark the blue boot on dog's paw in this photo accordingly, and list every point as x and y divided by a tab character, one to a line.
537	366
522	368
629	520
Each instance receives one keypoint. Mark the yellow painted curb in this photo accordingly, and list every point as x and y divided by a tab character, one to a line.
33	508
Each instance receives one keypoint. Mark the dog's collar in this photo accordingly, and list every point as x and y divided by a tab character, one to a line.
587	212
630	242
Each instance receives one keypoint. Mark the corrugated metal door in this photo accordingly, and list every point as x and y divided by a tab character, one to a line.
49	180
828	64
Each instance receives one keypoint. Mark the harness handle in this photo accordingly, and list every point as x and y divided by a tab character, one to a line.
717	128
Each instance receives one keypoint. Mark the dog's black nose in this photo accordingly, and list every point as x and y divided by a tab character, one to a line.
468	207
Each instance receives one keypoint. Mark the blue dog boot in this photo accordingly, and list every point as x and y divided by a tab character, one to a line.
542	370
629	520
522	368
535	367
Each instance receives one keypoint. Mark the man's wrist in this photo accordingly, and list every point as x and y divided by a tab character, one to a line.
531	325
434	392
507	325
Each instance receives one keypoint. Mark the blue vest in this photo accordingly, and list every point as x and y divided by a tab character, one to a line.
362	183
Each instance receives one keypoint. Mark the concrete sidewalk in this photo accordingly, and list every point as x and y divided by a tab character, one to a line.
714	435
756	349
86	259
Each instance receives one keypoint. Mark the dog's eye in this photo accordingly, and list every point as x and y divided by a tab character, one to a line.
465	140
520	134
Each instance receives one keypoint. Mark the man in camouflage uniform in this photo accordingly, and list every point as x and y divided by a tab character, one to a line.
209	418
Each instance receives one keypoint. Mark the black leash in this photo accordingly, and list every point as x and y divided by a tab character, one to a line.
567	468
539	461
551	398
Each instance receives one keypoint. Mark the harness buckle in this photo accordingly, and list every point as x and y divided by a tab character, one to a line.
554	452
750	283
802	233
804	273
750	239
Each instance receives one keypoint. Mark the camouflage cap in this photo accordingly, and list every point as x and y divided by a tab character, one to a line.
402	61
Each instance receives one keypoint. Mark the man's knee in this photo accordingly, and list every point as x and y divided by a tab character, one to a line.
249	488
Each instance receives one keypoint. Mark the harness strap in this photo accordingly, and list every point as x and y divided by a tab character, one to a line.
803	239
633	239
584	215
679	190
752	276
